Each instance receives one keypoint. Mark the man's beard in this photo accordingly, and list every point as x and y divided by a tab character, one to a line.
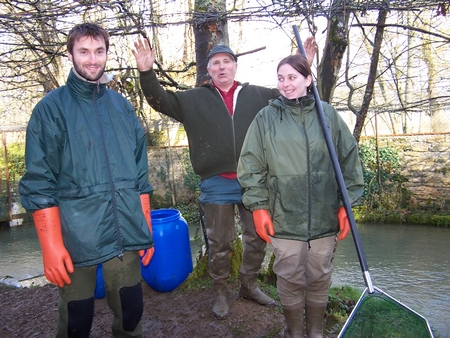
87	75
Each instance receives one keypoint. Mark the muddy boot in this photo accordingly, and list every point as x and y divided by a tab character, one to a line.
221	232
250	290
314	319
220	305
253	256
294	322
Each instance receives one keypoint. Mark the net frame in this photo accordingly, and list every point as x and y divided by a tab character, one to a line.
380	315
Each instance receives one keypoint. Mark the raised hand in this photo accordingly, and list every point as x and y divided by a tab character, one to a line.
310	46
144	55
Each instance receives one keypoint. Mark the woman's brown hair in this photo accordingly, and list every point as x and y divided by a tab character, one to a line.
299	63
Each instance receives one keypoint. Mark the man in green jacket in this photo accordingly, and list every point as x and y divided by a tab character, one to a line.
87	186
216	117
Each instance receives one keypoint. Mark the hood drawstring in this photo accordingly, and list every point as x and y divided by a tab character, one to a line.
280	112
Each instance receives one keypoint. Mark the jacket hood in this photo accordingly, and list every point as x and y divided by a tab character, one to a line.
84	89
304	101
304	104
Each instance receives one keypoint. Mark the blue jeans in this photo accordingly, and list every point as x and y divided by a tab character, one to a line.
219	190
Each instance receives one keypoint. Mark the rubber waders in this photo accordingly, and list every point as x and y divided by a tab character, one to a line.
314	319
294	321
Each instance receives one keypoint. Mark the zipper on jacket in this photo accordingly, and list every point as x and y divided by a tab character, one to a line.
235	99
308	165
235	96
111	184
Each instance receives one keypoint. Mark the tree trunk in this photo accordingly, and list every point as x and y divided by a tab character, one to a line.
361	116
333	54
210	29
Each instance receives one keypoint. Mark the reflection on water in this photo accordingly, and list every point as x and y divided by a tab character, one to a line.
410	263
20	252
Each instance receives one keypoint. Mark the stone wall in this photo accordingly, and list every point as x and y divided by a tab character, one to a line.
426	164
425	159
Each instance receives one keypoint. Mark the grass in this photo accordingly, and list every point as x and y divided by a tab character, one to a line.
418	217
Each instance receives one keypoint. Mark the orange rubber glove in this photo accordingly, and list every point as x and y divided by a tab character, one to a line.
57	261
344	225
263	224
146	254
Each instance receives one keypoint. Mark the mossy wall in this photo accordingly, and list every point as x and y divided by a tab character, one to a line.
425	163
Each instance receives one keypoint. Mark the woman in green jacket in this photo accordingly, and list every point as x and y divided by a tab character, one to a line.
289	184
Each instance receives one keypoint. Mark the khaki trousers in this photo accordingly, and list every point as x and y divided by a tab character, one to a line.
303	273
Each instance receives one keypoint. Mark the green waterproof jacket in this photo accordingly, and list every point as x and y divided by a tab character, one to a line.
86	153
285	167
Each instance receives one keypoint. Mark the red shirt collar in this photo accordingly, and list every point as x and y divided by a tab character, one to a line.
228	96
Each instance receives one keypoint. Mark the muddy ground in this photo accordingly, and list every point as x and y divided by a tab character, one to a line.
32	312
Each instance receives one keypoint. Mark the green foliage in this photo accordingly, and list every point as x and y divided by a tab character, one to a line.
158	202
190	212
427	218
16	161
199	277
382	178
191	179
379	215
155	138
267	275
341	302
236	259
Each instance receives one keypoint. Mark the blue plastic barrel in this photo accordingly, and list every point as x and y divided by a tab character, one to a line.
100	291
172	261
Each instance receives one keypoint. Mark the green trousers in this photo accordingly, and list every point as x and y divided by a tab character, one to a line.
123	291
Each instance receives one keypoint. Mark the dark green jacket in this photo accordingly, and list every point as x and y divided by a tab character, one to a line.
215	138
86	153
285	168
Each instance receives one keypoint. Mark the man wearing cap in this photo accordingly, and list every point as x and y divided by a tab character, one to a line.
216	117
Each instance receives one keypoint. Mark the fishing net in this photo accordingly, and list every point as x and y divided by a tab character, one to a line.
379	315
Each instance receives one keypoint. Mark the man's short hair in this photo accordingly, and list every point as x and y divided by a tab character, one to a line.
86	29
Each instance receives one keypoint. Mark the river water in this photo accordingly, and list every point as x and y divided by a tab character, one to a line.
411	263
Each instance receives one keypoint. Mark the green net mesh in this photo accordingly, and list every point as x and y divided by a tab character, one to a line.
378	315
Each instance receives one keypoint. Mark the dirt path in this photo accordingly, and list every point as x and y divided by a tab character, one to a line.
32	312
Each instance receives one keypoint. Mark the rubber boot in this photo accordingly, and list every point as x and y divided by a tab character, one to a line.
253	256
294	321
314	319
220	230
220	304
250	290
